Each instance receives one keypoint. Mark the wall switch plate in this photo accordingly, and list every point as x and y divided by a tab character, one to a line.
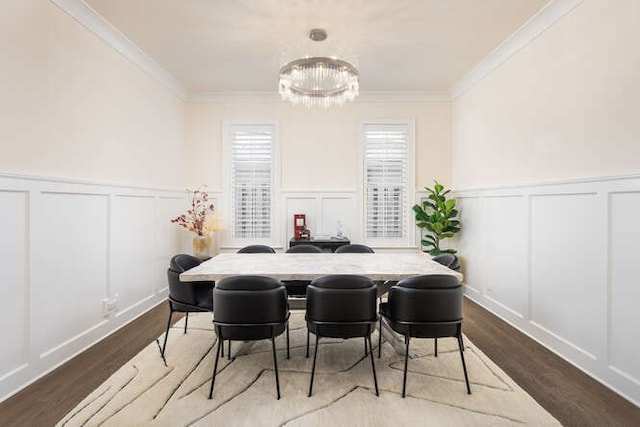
110	305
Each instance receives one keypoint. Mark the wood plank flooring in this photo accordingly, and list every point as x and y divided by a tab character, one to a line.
571	396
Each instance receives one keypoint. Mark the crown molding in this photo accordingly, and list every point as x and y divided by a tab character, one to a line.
87	16
531	29
274	97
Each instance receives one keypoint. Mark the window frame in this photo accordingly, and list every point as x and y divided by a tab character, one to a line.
228	127
408	237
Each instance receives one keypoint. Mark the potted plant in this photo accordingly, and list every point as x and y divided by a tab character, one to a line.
200	220
437	215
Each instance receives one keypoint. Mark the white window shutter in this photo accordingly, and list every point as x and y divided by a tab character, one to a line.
386	147
251	180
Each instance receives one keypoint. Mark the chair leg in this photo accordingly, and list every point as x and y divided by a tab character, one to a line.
461	341
464	365
229	351
366	352
222	350
313	367
186	320
380	338
373	368
435	346
406	360
307	356
288	340
166	334
215	365
275	360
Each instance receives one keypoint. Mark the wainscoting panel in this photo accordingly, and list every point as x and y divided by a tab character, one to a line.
13	280
66	247
624	281
567	260
559	261
471	242
506	234
323	210
343	210
131	250
69	280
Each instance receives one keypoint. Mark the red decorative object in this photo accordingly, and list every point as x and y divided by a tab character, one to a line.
299	225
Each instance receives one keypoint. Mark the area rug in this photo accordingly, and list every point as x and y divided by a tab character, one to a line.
145	392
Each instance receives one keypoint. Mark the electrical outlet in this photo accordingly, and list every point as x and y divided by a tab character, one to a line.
110	305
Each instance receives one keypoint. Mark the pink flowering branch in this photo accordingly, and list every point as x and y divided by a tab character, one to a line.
194	219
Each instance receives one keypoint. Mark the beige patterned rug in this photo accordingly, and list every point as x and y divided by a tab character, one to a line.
145	392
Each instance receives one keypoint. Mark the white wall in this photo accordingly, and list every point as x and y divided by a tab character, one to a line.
73	107
564	107
319	154
558	261
74	112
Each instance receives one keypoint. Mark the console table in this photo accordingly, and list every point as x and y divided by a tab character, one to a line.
327	245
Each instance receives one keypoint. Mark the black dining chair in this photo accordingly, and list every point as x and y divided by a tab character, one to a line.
186	297
341	306
298	288
257	249
250	308
304	249
428	306
354	248
448	260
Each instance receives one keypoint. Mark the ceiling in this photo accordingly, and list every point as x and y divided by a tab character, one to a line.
238	46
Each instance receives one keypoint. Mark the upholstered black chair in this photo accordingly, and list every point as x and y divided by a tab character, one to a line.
354	248
250	308
304	249
298	288
186	297
341	306
427	306
257	249
448	260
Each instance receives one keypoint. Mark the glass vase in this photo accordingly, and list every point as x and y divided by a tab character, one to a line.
202	247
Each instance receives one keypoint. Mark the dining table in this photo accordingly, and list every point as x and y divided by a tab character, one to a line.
382	268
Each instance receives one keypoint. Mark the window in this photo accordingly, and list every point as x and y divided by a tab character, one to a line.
388	180
251	149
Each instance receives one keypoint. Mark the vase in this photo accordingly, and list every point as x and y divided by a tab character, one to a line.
202	247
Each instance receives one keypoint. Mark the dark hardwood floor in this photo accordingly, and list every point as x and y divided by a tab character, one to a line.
571	396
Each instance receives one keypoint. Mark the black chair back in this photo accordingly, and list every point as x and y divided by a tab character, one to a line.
188	296
257	249
341	298
427	299
304	249
448	260
354	249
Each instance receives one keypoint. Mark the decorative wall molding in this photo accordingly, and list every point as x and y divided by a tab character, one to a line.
87	16
558	261
531	29
273	97
535	26
67	245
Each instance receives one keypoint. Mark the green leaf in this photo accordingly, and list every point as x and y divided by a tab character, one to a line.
450	204
450	251
438	187
435	251
427	243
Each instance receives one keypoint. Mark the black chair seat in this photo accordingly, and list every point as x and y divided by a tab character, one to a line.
354	248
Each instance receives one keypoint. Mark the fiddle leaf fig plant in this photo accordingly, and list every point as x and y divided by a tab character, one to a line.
437	217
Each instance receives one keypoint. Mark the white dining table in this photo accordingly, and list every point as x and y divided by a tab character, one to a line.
294	266
379	267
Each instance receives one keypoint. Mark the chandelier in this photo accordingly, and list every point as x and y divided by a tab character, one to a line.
318	81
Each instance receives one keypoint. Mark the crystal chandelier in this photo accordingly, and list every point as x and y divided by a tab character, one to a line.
318	81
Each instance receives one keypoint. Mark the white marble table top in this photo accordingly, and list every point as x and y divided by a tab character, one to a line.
283	266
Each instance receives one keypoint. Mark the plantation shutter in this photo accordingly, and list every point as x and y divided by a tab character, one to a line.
251	180
385	169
